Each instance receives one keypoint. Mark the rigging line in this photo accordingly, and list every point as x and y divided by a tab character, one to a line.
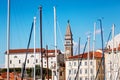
79	54
101	58
24	64
75	51
98	68
60	33
80	59
102	47
118	74
108	38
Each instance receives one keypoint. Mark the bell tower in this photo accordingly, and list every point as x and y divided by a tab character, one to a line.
68	42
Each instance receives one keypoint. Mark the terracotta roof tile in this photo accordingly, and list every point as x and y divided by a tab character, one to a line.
96	55
14	51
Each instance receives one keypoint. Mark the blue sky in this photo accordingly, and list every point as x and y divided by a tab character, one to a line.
81	13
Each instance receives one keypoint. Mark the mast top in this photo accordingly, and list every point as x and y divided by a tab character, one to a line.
68	21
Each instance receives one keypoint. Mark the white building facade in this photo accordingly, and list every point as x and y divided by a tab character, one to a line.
72	68
112	63
17	58
112	59
87	69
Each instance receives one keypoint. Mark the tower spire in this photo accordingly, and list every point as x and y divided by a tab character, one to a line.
68	31
68	42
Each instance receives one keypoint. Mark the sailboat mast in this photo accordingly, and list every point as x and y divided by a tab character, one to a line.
113	33
113	54
34	45
94	38
78	58
8	38
57	76
103	56
88	57
41	42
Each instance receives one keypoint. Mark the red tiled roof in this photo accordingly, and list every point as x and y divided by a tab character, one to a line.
96	55
13	51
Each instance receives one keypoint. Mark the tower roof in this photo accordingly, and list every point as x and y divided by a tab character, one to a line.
68	31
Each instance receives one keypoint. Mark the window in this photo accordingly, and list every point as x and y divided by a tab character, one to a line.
69	78
10	61
80	78
92	78
85	63
69	63
75	71
86	78
51	62
69	71
45	62
15	56
19	61
80	71
32	55
80	63
67	42
74	63
36	61
91	71
91	63
85	71
28	61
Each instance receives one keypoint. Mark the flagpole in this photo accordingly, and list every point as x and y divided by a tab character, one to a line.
8	38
